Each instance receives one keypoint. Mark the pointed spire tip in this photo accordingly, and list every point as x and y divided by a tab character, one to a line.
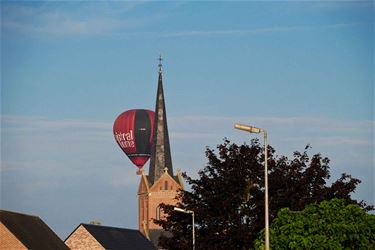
160	65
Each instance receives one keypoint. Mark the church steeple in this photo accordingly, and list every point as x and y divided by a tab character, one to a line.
160	185
160	152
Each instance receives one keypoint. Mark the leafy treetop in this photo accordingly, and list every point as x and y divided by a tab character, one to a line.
328	225
228	196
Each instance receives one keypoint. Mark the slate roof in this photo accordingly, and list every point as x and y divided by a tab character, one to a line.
113	238
31	231
160	150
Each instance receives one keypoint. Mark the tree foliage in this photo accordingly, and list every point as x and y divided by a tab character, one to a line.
328	225
228	196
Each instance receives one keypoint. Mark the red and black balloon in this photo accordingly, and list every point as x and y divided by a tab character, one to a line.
134	131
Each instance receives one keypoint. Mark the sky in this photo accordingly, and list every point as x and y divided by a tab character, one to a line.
302	70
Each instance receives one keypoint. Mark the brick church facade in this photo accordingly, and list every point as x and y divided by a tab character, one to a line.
160	185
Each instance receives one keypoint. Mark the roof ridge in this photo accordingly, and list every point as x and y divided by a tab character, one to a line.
93	225
19	213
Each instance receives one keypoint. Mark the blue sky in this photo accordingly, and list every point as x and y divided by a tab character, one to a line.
303	70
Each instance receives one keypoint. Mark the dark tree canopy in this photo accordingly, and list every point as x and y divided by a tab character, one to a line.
328	225
228	196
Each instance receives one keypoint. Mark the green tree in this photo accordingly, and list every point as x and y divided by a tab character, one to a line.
228	196
328	225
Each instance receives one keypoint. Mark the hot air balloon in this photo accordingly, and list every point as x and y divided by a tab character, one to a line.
133	131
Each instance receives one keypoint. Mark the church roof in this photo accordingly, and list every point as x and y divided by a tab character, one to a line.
31	231
160	152
113	238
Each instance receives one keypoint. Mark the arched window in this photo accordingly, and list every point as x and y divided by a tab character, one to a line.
158	212
166	185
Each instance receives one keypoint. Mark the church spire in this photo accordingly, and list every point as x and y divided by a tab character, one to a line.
160	152
160	65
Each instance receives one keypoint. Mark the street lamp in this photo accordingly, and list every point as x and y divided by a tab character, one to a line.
252	129
192	214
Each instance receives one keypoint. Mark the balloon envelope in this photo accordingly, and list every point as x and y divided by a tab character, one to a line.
133	131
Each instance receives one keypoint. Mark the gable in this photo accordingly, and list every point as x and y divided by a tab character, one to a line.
143	185
80	238
178	178
8	240
165	183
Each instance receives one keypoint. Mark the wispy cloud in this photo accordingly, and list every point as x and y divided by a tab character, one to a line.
345	142
71	20
334	140
254	31
38	143
110	20
61	25
40	164
27	123
333	5
191	127
229	32
206	125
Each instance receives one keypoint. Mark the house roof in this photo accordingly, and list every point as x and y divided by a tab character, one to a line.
112	238
31	231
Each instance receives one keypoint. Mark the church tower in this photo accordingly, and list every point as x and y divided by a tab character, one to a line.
160	185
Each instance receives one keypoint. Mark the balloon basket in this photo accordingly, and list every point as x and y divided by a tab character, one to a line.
140	171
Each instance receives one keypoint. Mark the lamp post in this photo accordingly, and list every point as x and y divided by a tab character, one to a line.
192	214
252	129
